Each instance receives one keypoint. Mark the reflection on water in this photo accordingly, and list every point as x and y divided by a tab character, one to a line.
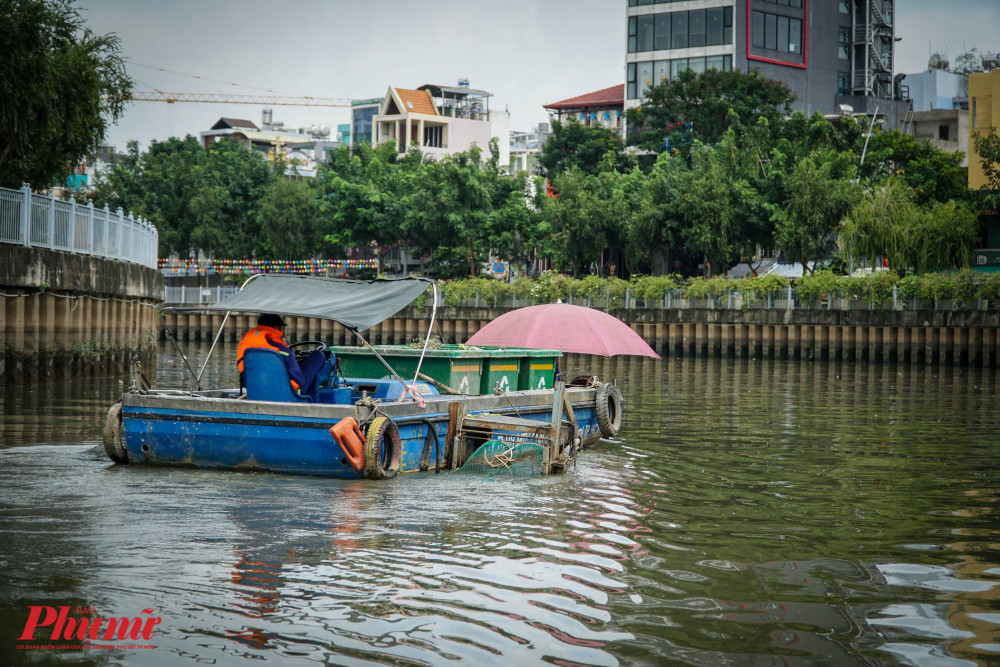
753	513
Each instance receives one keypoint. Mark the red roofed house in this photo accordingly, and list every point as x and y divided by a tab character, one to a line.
603	108
440	120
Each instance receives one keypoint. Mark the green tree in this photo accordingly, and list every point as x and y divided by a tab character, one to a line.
362	197
820	191
889	223
704	100
287	213
932	174
60	86
579	223
199	199
574	144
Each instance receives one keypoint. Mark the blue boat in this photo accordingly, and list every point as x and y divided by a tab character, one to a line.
353	427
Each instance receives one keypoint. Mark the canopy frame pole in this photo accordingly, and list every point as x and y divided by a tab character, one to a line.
218	335
172	339
368	345
427	338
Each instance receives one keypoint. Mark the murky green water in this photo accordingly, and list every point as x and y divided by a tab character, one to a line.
754	513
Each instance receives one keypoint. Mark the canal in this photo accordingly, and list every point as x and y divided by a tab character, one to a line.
753	513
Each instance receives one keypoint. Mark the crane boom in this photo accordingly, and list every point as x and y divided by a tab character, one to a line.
277	100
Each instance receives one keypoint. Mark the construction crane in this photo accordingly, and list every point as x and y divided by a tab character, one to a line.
277	100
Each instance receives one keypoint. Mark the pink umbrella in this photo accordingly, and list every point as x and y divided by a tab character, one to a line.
565	327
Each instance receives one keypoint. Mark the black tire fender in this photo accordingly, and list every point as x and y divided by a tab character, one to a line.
609	403
114	435
383	449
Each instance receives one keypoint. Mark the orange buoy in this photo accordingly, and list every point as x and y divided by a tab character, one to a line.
348	435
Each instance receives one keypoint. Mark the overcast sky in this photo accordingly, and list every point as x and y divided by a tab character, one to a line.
526	52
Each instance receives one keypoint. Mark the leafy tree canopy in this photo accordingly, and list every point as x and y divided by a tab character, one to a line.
589	149
60	85
199	199
704	100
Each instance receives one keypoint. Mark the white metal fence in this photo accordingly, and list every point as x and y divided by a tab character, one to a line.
197	296
43	221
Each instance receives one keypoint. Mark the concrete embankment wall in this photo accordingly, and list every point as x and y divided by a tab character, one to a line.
62	313
967	338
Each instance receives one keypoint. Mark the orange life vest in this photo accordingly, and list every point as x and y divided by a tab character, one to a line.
258	337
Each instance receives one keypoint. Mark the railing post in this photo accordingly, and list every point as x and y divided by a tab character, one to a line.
729	299
628	296
789	298
90	227
895	295
51	222
107	227
121	231
26	215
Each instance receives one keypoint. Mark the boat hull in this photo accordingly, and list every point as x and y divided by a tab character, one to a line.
216	430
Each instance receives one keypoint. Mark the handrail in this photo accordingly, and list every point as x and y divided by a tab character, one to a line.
42	221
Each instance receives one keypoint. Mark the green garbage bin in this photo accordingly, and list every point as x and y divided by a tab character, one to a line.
501	369
460	370
537	368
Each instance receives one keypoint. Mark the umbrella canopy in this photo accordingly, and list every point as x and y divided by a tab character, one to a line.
563	326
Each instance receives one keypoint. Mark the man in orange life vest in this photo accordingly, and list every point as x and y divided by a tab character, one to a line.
269	333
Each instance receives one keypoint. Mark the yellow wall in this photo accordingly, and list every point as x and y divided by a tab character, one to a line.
984	112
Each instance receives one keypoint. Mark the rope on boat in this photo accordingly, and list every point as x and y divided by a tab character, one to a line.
372	405
504	458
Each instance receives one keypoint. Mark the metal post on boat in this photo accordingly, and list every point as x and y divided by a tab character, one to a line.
170	336
214	343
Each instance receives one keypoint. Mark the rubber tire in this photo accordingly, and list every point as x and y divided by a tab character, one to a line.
382	436
114	436
609	409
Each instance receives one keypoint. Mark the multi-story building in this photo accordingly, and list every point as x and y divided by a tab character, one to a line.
828	52
602	108
939	111
984	117
441	119
362	113
525	148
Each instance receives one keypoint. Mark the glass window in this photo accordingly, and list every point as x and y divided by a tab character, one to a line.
842	84
696	27
944	132
783	2
727	31
632	34
644	74
795	3
715	62
630	78
783	34
696	65
794	35
845	7
727	63
645	26
677	66
715	25
661	71
844	43
661	40
770	31
757	30
679	39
